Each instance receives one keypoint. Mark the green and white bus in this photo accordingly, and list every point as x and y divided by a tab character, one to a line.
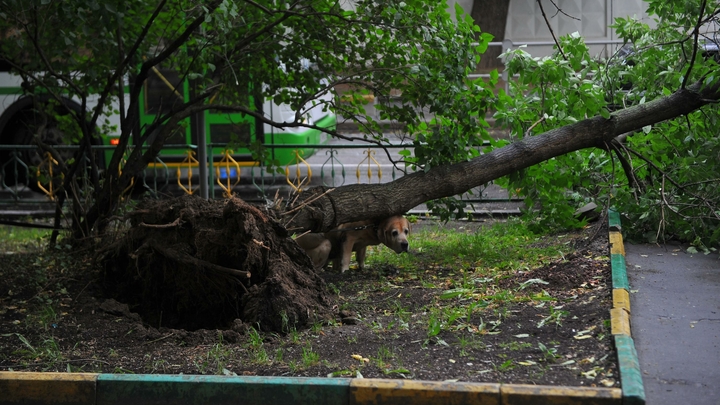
162	88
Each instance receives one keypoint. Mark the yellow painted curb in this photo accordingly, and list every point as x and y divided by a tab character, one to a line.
621	299
518	394
620	321
616	243
47	388
389	392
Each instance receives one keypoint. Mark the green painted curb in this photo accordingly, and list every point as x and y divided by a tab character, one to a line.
630	376
633	391
217	390
619	272
614	220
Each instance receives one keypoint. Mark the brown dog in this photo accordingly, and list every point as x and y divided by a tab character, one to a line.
338	244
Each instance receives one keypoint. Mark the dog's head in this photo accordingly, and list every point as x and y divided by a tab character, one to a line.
393	233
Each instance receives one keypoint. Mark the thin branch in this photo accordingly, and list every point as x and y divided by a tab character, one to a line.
695	44
559	10
547	22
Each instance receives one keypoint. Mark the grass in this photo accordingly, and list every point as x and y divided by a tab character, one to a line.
309	357
465	265
503	247
19	239
461	266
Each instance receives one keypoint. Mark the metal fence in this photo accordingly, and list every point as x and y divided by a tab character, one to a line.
30	181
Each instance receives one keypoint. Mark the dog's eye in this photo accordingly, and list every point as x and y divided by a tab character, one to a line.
407	231
395	232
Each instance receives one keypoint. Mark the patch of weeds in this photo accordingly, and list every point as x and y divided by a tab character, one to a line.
489	328
507	365
155	366
294	336
48	352
376	327
216	359
384	356
309	357
556	315
549	354
515	345
401	312
316	327
255	346
48	318
397	372
279	353
293	366
434	326
472	342
343	373
333	288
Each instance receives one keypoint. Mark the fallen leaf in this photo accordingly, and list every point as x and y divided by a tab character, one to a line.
522	335
357	357
607	382
527	363
582	337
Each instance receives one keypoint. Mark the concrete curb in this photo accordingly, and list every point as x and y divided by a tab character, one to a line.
116	389
633	392
111	389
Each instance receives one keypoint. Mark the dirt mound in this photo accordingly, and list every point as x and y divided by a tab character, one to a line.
192	263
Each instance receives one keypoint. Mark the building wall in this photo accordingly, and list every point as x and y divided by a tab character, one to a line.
591	18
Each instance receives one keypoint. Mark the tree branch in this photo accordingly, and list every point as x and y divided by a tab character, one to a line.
372	201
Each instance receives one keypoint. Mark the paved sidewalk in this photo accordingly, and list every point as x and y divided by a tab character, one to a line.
675	304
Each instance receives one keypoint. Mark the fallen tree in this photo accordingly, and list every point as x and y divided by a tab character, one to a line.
324	210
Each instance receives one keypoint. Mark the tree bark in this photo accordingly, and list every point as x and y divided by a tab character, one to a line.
375	201
491	16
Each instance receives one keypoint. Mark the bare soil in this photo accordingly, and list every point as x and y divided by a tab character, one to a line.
58	314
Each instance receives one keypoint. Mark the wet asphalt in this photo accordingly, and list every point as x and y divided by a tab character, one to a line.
675	321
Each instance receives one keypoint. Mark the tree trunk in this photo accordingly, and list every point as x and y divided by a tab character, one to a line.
491	16
374	201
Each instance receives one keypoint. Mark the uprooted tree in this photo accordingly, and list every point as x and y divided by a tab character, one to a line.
578	126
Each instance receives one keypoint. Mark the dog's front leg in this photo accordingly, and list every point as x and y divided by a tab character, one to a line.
360	257
345	254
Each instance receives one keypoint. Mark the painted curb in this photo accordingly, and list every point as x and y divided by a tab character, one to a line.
111	389
142	389
633	391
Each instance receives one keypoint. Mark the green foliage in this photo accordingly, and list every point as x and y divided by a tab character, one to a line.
669	185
